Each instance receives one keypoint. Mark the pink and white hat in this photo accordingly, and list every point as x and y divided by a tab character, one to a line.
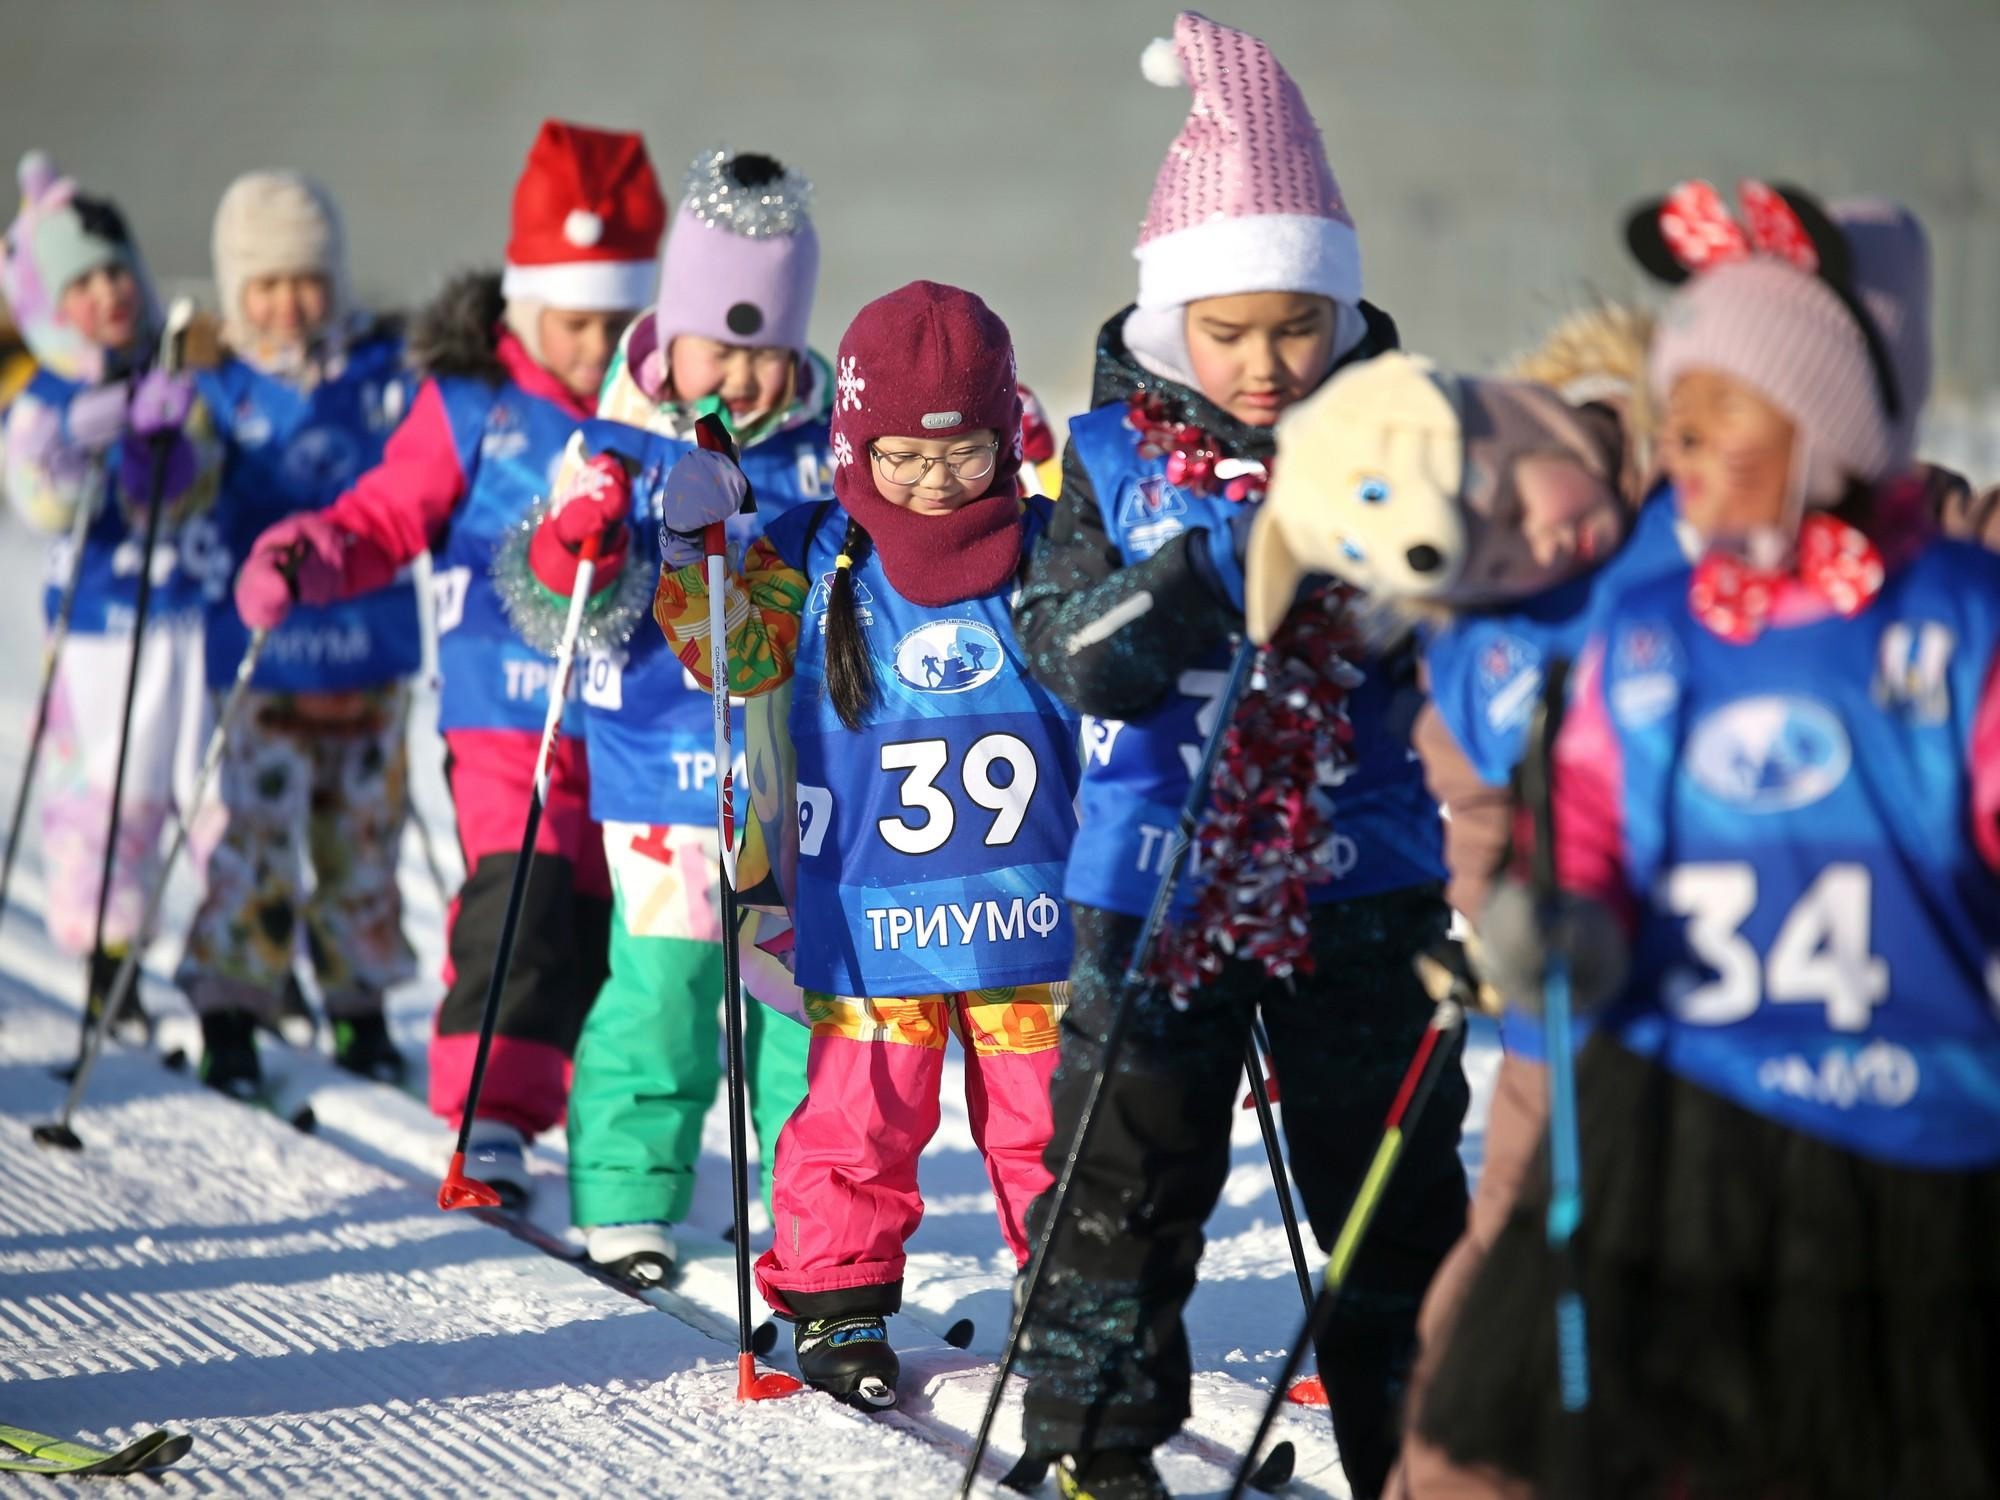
1245	201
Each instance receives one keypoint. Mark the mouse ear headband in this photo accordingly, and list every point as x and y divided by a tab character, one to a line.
1691	231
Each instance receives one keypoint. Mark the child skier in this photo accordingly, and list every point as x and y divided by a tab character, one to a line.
1250	297
85	434
1778	790
513	367
736	292
314	770
934	789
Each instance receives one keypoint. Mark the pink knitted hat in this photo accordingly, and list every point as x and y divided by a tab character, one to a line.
1825	313
1245	201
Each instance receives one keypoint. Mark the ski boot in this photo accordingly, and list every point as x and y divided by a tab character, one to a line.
642	1254
1110	1474
229	1054
497	1155
362	1046
131	1027
849	1358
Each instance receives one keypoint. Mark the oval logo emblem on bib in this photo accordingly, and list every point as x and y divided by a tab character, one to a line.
949	656
1769	754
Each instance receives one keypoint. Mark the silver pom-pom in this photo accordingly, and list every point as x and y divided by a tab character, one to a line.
755	196
538	616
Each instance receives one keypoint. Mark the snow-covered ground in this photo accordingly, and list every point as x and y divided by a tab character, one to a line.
301	1306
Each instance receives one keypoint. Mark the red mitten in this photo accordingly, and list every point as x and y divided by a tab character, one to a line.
595	501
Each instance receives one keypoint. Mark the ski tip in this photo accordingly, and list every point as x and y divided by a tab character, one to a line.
172	1451
175	1060
304	1120
765	1339
959	1335
1275	1472
1027	1475
59	1136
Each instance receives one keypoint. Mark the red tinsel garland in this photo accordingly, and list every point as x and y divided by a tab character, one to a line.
1265	838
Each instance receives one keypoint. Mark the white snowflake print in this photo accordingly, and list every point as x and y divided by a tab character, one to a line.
843	451
851	385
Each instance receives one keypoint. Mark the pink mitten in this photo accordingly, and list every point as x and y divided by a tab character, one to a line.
300	560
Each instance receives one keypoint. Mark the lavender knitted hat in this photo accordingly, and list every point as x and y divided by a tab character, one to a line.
742	260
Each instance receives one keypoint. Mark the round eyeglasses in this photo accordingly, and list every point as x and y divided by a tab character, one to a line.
911	468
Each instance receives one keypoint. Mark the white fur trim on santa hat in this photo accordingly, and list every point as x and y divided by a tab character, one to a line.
1253	253
584	285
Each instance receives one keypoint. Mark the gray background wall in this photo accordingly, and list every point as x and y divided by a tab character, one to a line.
1486	146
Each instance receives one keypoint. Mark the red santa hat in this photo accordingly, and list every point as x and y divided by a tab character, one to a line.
588	216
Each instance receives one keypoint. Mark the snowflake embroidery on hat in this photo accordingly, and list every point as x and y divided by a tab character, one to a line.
851	384
843	451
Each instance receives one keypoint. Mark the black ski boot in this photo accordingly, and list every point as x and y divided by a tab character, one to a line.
849	1358
361	1045
229	1054
1110	1474
131	1027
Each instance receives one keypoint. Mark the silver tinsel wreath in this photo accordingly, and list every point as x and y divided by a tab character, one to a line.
538	616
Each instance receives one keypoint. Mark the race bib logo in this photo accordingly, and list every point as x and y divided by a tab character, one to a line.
822	596
1152	514
1645	684
250	427
503	438
1910	674
321	461
949	656
1510	678
1769	754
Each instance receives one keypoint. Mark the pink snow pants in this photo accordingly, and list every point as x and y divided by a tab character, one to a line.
560	953
844	1189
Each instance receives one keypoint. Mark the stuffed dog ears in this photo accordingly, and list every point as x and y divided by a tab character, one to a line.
1366	489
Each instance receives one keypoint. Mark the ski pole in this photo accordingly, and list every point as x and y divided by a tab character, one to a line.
750	1386
1565	1169
1310	1391
1433	1055
457	1190
1132	985
61	1132
52	651
178	319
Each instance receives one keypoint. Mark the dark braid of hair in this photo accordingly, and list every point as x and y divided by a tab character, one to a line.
850	674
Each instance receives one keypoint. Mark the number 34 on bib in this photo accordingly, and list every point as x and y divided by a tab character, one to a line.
1820	955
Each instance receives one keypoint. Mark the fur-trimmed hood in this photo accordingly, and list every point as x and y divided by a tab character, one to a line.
458	332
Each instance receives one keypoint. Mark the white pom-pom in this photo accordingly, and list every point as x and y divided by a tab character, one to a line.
36	173
582	228
1161	63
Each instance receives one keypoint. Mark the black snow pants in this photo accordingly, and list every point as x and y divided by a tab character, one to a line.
1106	1352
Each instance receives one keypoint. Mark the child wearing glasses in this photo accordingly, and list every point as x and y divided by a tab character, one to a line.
934	783
728	331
